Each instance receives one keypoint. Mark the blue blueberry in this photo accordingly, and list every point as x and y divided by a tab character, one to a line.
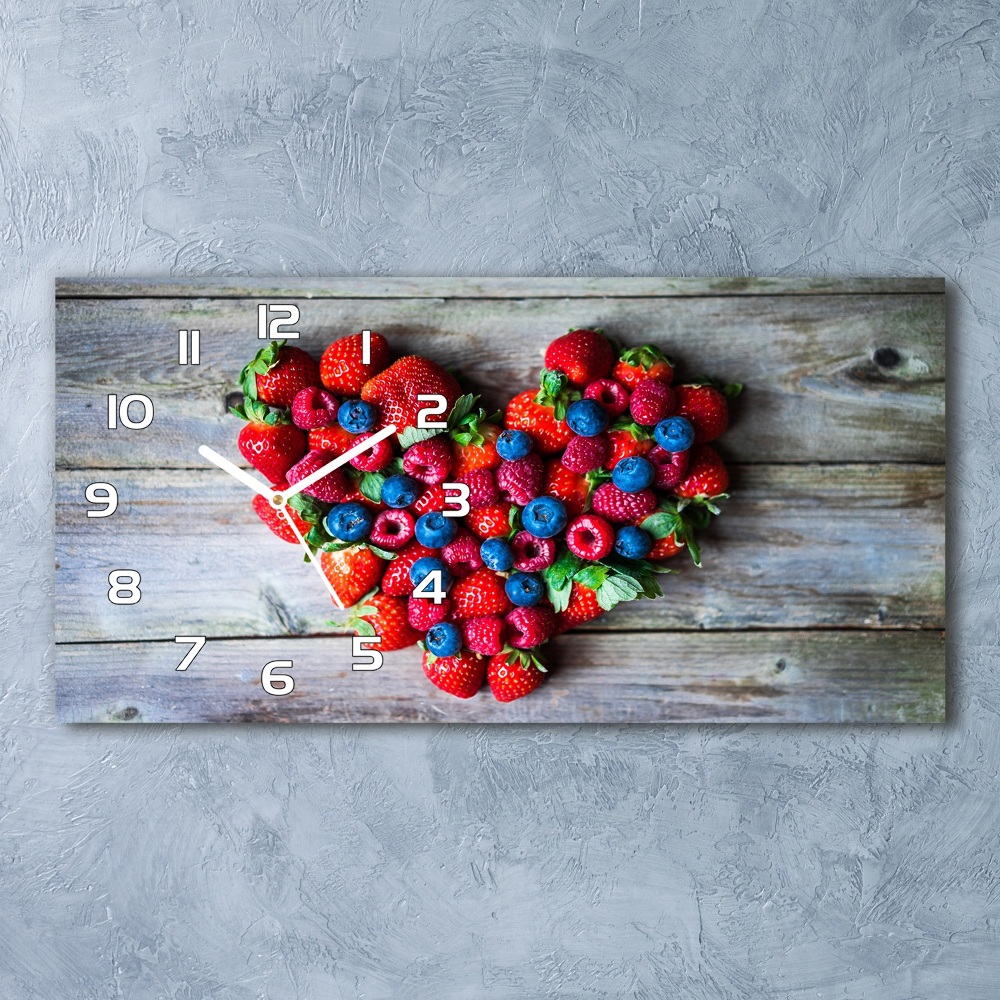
586	417
514	445
633	543
633	474
674	434
544	517
435	530
524	589
423	567
400	491
350	522
357	416
444	639
497	554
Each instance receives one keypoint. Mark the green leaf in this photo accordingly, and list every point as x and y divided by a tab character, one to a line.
411	435
309	508
663	523
514	518
559	592
364	628
732	389
382	553
661	568
264	360
395	467
370	486
591	575
317	537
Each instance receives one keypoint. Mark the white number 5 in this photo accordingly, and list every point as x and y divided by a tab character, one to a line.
372	658
440	406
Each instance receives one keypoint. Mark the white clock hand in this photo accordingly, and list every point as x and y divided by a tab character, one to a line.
235	471
309	555
361	446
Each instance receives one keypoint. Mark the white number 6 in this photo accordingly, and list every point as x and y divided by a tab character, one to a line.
269	677
372	658
440	406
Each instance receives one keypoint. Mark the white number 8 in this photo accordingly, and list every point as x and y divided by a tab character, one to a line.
124	585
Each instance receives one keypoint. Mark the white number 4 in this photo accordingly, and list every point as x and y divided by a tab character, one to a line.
430	587
371	658
440	406
197	645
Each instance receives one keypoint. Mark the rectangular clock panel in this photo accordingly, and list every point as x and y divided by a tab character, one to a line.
820	598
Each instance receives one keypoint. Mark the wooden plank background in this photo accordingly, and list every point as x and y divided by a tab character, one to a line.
829	558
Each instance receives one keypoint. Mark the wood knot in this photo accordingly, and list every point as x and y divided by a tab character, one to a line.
886	357
233	399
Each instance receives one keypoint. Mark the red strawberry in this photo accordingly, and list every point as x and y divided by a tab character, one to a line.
460	675
625	444
612	395
397	388
278	373
590	536
570	487
387	615
664	548
636	364
525	413
422	614
392	529
707	475
373	459
484	635
706	408
521	481
396	579
584	454
582	607
275	520
651	402
513	675
341	369
481	593
462	555
270	444
584	355
434	498
335	440
352	572
490	522
530	627
671	467
313	408
429	461
482	487
621	507
471	456
332	488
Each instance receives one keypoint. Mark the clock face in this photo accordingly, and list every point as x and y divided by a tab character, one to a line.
252	528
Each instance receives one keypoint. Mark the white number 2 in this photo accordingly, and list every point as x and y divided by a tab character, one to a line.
103	493
371	658
440	406
457	495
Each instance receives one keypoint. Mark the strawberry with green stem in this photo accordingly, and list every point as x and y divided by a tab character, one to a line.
514	673
270	442
278	373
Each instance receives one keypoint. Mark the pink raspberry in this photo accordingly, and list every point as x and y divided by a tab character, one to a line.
422	614
671	467
612	395
332	488
590	537
651	402
462	555
429	461
374	459
313	407
530	627
583	454
484	635
392	529
621	507
482	488
532	554
521	481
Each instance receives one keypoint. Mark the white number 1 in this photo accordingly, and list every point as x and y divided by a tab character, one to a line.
198	644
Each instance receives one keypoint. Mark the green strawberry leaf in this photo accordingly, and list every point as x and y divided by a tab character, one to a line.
370	486
395	467
361	627
309	508
637	431
514	519
591	575
265	359
661	568
412	435
663	524
381	553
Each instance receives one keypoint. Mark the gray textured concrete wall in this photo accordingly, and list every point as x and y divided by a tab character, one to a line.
461	137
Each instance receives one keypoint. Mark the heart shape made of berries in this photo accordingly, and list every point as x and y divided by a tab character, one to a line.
481	536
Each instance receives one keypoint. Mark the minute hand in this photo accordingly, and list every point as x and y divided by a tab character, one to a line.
325	470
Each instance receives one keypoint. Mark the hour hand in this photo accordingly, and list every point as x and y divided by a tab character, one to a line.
235	471
357	449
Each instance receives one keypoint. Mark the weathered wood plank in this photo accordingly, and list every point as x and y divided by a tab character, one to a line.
513	287
660	677
797	546
813	392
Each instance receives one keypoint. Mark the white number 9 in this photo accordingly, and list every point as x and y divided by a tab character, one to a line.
103	493
440	406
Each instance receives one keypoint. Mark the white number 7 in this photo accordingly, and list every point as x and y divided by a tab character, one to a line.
440	406
198	644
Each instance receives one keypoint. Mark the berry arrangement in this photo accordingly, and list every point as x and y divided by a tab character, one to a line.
482	539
